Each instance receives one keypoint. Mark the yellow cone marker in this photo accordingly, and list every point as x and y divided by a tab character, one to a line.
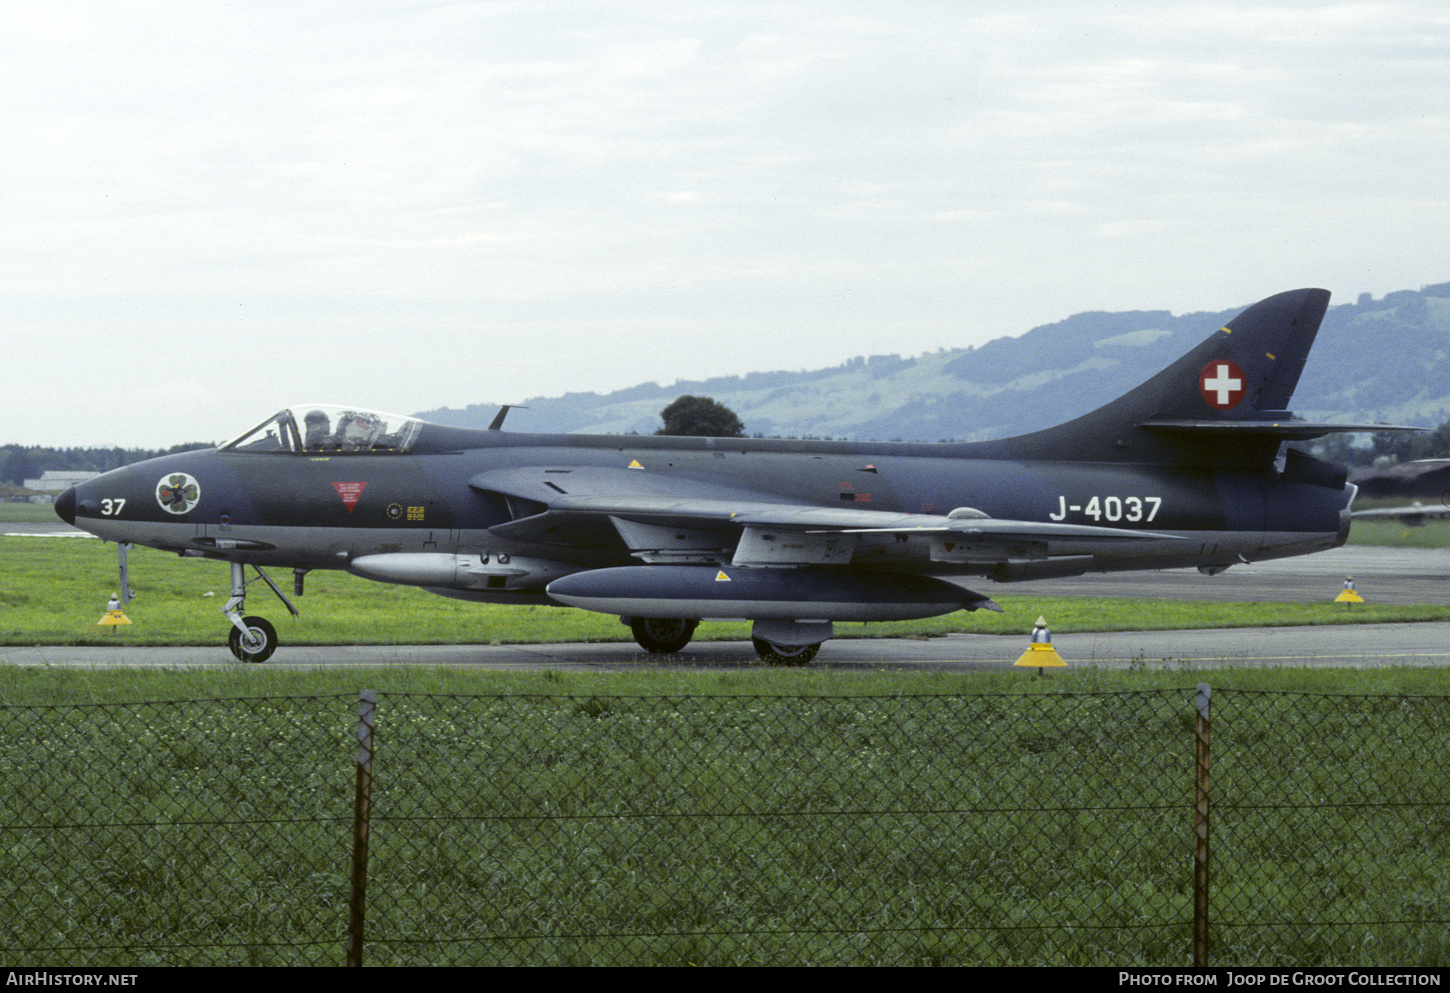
113	617
1040	654
1347	596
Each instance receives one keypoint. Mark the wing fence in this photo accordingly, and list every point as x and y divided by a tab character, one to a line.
1074	829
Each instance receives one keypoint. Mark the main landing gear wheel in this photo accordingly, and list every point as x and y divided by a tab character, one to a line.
263	637
662	635
785	654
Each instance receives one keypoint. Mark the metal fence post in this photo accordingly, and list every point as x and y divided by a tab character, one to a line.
361	810
1202	726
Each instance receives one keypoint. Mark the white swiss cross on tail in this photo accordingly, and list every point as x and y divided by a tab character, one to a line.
1222	384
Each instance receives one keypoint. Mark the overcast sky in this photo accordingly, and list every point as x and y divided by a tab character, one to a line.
211	211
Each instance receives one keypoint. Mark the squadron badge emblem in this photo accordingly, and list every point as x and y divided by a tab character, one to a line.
178	492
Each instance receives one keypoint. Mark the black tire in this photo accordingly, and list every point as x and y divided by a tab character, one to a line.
661	635
261	628
785	654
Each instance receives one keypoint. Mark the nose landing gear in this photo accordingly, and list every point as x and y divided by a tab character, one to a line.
252	639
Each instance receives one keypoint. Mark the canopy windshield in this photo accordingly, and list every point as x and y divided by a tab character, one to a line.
330	429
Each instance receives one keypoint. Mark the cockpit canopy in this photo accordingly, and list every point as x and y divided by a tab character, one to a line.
329	429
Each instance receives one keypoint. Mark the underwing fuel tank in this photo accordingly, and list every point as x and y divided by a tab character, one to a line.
782	594
449	571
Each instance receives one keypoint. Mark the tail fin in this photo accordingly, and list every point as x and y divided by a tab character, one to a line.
1224	403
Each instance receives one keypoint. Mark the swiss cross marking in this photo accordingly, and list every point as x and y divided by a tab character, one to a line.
1222	384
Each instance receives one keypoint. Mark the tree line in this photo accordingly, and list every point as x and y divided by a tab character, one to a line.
21	462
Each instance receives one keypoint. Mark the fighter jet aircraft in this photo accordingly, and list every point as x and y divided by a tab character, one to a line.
1184	470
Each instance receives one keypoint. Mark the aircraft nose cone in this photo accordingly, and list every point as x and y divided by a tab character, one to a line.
65	505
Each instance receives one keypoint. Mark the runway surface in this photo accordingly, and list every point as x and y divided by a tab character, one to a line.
1382	575
1364	646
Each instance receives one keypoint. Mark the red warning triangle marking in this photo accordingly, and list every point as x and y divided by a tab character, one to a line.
350	493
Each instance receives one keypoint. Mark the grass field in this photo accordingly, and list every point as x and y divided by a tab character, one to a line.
235	807
53	590
41	685
1393	534
30	513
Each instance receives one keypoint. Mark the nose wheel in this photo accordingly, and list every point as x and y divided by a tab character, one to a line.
259	642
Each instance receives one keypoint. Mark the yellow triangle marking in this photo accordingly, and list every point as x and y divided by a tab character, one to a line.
720	577
634	464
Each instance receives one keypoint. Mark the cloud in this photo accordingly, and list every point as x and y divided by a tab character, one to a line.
448	187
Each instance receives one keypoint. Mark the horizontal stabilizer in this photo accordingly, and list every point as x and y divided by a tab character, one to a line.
1288	429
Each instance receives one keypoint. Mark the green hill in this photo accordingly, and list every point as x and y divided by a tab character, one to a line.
1375	360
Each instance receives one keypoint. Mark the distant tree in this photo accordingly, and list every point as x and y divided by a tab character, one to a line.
700	417
17	465
21	462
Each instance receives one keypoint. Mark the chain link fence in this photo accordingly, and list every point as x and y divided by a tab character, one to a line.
1071	829
201	832
1331	829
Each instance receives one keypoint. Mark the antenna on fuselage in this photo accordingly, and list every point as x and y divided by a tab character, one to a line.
503	411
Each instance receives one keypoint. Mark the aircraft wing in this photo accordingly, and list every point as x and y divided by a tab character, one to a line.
672	520
786	535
